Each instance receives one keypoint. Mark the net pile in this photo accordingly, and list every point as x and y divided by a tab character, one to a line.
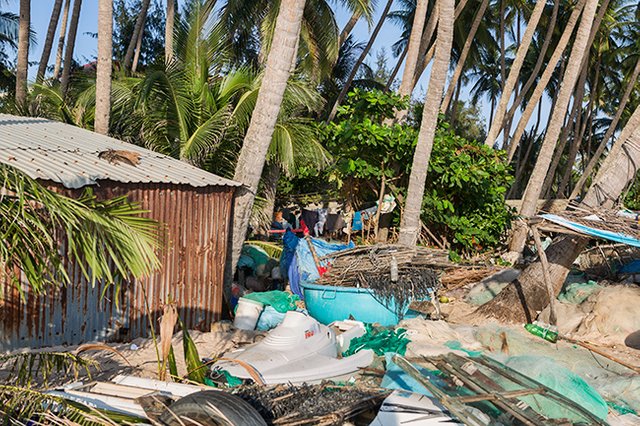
324	404
371	267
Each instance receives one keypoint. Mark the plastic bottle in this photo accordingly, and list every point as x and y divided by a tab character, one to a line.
545	331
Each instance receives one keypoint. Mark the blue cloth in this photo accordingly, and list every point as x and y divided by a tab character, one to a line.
289	242
356	225
294	277
594	232
632	267
306	266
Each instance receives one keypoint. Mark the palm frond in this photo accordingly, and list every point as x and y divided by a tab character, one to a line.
27	368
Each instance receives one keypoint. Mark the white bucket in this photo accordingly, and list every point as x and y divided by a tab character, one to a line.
247	314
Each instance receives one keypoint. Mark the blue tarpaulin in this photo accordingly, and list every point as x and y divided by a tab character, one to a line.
305	267
593	232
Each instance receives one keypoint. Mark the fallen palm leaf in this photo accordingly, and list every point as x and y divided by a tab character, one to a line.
167	324
101	347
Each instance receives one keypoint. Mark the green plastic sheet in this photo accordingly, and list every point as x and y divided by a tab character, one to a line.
381	340
281	301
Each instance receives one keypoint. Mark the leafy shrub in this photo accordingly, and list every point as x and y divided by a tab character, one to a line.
464	195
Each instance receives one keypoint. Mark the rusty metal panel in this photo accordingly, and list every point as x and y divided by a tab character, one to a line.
197	222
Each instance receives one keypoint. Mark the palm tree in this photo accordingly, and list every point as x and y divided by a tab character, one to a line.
544	79
251	28
71	43
412	52
347	86
48	43
521	301
457	73
410	222
61	36
106	234
514	72
136	38
263	121
23	52
168	32
103	67
532	193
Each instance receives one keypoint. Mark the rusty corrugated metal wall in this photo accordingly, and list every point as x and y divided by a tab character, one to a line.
197	226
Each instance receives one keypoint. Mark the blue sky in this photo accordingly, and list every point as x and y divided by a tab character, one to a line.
86	45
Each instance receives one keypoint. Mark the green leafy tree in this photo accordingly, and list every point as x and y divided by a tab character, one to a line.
365	149
464	194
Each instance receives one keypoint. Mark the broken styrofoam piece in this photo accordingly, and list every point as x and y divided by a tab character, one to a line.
299	350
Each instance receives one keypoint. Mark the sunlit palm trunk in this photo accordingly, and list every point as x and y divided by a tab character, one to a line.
23	52
137	31
514	73
631	84
426	49
48	43
265	114
71	43
61	37
532	192
545	78
413	50
103	68
344	34
576	111
457	73
534	74
410	222
361	58
168	30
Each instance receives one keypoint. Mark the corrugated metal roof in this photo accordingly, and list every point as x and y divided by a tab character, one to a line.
50	150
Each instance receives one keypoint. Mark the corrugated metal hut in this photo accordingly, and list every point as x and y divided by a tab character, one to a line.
195	206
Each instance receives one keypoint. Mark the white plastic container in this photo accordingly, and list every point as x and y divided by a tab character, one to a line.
247	314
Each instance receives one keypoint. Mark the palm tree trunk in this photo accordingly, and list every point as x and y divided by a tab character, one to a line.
536	69
263	120
521	300
454	105
457	73
503	50
128	57
410	225
612	128
576	111
269	189
168	30
532	192
71	43
48	43
61	36
514	72
413	50
363	55
544	79
577	141
426	48
344	34
396	69
22	65
136	55
103	67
